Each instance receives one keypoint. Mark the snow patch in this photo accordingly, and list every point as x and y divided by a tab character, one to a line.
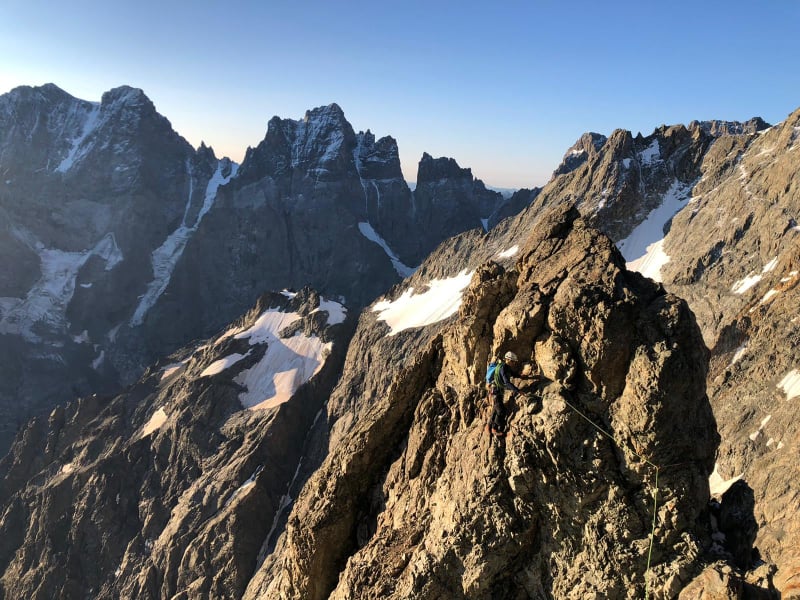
165	257
219	366
743	285
790	384
753	436
172	369
770	265
440	301
768	296
650	264
156	421
286	365
643	249
287	362
717	485
510	252
336	312
650	154
245	486
99	360
737	356
368	232
78	149
46	302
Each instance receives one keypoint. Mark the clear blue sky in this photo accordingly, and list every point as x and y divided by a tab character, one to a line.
504	87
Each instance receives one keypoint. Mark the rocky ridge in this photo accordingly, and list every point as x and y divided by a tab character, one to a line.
415	500
712	212
173	488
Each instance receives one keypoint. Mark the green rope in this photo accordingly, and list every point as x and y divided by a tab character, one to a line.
655	493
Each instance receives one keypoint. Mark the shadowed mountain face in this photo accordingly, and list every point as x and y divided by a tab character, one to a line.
174	486
120	243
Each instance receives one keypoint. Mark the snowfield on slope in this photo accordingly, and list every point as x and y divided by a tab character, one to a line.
287	363
439	301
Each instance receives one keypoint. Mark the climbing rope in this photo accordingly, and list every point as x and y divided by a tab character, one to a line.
655	492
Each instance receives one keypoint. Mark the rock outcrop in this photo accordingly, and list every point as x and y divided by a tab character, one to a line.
173	488
712	211
415	500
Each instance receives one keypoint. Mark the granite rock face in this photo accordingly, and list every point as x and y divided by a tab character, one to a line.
416	500
712	210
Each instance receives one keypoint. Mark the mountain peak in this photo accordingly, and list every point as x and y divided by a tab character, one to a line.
434	169
126	96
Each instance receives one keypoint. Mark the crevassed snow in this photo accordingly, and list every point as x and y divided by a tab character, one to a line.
510	252
218	366
155	422
790	384
78	150
717	485
368	232
439	301
165	257
643	248
47	301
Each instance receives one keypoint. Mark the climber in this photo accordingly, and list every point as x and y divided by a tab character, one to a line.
501	381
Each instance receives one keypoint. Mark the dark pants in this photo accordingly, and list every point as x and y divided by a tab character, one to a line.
498	419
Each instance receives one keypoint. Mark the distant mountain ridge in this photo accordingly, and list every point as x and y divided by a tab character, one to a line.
122	243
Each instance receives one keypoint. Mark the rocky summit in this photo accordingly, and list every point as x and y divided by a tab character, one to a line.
417	500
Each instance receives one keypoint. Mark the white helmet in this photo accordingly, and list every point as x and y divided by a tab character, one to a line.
511	357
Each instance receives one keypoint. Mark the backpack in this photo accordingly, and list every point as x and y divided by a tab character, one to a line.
493	374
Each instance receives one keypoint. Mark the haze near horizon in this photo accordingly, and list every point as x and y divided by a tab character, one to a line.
504	90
